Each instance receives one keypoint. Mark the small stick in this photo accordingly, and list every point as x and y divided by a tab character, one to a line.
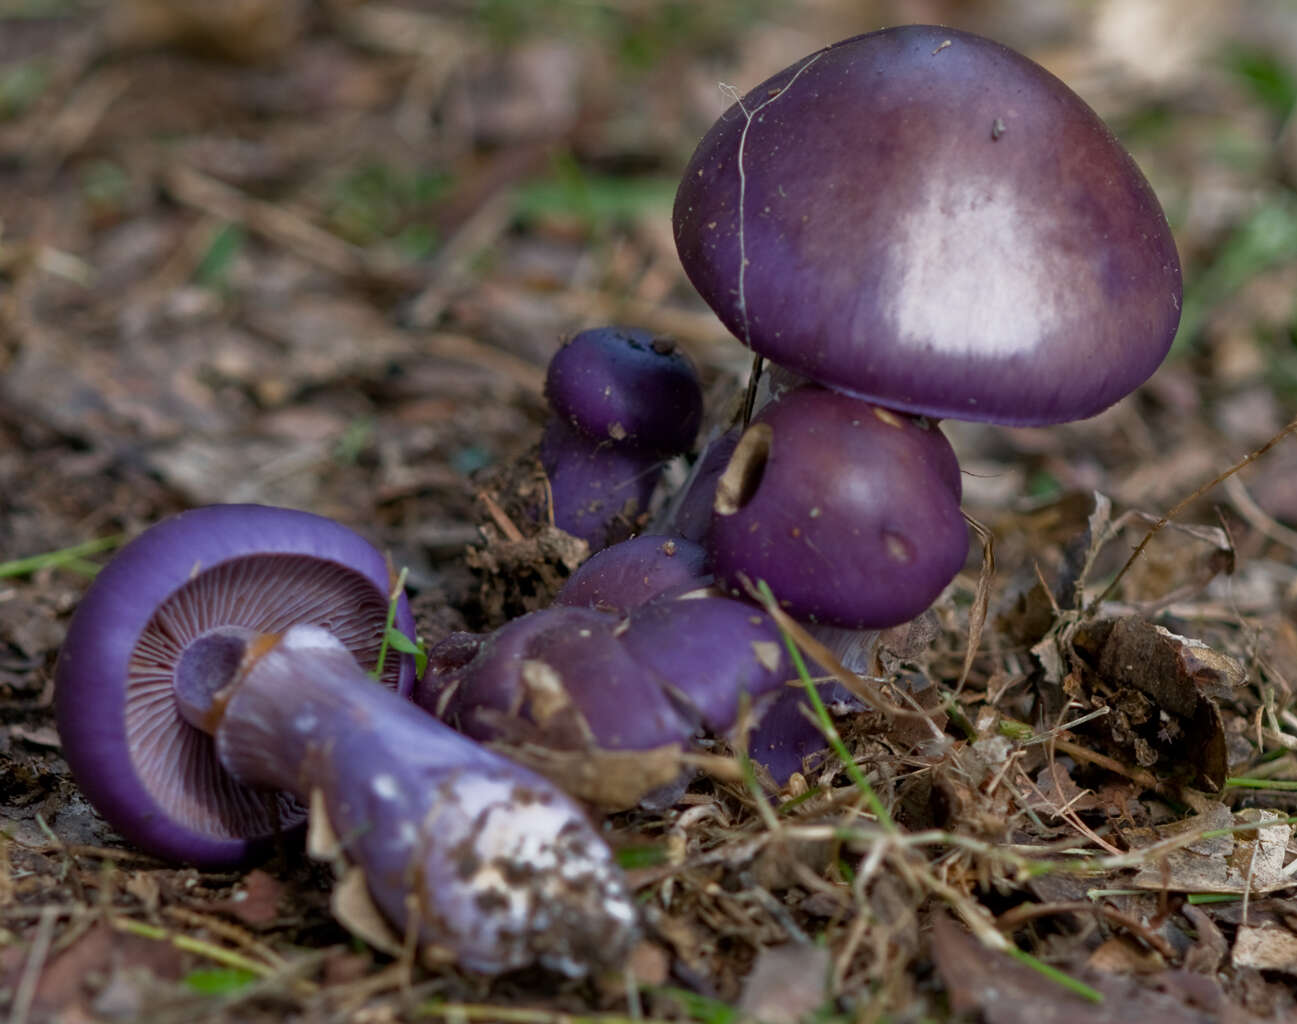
1184	503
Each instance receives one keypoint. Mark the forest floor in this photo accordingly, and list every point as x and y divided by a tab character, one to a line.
317	254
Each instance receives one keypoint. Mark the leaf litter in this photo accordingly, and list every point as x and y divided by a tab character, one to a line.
1071	780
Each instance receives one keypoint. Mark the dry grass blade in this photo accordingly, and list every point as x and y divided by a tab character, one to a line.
25	992
982	600
1257	516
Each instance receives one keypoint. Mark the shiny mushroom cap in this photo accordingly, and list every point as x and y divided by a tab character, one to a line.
627	387
929	220
849	511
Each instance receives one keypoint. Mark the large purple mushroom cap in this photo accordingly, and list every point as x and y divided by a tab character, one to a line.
153	776
929	220
627	386
847	510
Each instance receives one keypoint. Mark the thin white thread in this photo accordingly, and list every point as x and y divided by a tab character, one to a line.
733	93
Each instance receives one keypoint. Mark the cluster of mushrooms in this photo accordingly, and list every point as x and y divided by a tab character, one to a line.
911	225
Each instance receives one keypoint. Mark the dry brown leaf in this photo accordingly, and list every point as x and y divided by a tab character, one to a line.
1162	690
1248	861
787	984
354	908
1265	947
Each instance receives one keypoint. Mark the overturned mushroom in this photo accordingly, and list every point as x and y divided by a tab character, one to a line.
217	669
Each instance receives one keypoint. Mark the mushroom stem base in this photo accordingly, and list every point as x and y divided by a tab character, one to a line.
474	853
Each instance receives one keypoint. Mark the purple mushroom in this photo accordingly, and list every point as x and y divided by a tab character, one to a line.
711	653
628	386
929	220
623	399
850	512
787	736
924	219
599	491
558	677
578	678
214	680
634	572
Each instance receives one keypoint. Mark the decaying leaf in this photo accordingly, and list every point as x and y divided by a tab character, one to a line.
1181	560
1214	860
1123	955
1265	947
787	984
256	901
1176	671
355	910
1000	991
322	842
1162	690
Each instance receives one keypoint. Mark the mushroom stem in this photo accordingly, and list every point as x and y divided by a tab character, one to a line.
475	854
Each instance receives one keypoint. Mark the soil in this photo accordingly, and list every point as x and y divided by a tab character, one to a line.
318	253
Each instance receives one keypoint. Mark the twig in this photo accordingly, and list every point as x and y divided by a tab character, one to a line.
1259	519
1136	775
1181	505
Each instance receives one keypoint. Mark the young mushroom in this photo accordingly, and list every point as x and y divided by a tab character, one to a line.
215	681
627	386
623	400
634	572
849	511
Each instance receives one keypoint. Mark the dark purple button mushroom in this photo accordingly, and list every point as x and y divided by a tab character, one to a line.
623	400
634	572
628	386
926	219
850	512
599	491
787	734
216	669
